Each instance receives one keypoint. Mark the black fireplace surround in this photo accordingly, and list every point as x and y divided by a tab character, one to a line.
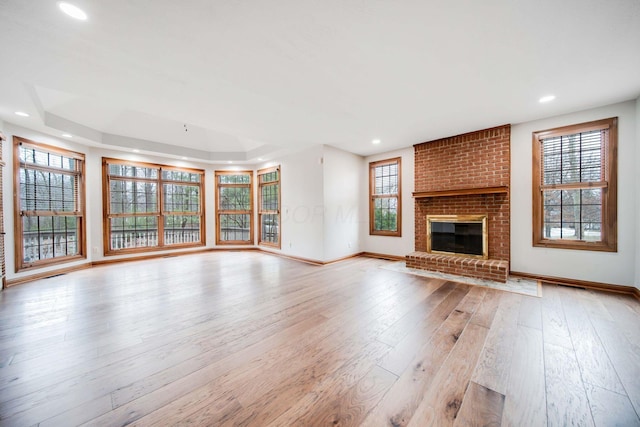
457	237
460	235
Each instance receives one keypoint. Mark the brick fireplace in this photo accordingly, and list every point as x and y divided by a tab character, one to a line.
464	175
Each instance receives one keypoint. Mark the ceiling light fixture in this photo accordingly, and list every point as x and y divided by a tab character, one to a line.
21	114
260	159
135	150
183	158
547	98
376	141
72	10
229	162
67	135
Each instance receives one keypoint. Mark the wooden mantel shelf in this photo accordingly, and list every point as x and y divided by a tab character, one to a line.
461	192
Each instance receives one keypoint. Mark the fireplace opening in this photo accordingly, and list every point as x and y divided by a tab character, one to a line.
457	234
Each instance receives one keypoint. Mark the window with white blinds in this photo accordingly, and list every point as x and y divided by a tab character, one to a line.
49	204
575	186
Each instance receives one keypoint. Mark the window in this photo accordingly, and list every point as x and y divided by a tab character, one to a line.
385	207
234	207
149	207
269	206
49	204
574	186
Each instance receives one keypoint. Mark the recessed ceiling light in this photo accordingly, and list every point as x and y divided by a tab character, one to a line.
72	10
135	150
183	158
67	135
376	141
229	162
21	114
547	98
260	159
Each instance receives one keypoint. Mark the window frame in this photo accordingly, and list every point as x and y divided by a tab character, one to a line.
160	212
373	197
79	213
608	183
220	212
277	212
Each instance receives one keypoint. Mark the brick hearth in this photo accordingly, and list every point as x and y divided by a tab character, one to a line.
491	269
475	168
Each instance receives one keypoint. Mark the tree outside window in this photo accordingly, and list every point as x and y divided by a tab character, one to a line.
149	206
234	207
49	204
385	207
269	206
574	186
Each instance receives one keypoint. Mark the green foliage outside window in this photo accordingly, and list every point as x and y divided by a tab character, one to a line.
137	210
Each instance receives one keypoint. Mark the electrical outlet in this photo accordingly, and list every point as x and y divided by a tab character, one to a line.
348	244
95	250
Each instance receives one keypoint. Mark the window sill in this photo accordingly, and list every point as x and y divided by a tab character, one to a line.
576	245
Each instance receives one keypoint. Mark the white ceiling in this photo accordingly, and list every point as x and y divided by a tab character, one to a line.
253	78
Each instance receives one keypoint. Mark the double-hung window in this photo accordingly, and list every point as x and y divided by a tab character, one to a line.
234	207
385	207
49	204
574	186
269	206
149	206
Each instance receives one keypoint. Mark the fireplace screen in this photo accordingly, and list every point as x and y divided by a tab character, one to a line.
457	234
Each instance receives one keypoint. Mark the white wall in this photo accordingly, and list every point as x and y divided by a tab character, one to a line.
605	267
342	193
399	246
302	203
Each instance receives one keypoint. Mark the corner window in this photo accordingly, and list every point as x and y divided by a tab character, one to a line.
234	207
150	207
269	206
49	204
574	186
385	207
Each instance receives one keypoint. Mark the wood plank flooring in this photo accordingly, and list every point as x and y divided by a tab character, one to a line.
251	339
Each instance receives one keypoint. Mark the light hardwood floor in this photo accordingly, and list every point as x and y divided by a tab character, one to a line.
246	338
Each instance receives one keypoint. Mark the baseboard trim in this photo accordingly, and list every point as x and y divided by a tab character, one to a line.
291	257
309	260
383	256
344	258
46	274
607	287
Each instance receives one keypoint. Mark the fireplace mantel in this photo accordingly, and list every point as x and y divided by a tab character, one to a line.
461	192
